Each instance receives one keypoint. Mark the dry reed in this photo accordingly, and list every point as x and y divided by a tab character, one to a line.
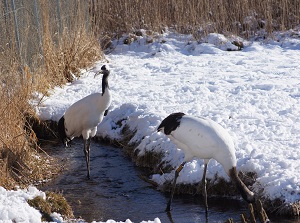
15	142
77	48
240	17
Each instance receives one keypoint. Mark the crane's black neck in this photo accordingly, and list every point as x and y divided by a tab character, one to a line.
105	81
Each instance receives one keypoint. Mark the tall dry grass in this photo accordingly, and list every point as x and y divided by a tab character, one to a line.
240	17
15	143
77	47
21	160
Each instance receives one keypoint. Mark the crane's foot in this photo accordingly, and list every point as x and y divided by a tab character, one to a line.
168	209
206	214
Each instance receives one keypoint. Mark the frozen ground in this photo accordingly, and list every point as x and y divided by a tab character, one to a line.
253	93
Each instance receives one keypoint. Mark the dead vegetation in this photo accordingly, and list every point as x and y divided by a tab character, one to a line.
54	202
17	144
243	18
256	211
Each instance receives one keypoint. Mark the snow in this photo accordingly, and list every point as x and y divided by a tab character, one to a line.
14	208
253	93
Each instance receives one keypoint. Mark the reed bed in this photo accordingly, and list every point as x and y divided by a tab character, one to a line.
240	17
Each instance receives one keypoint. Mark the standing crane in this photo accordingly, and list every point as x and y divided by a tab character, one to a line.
83	117
205	139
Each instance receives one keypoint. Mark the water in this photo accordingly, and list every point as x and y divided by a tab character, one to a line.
115	191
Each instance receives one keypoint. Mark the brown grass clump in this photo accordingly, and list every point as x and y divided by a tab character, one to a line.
54	202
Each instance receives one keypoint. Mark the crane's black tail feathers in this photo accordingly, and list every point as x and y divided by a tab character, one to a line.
247	195
61	130
106	112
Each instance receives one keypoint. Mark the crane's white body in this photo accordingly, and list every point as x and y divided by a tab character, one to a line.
83	117
206	139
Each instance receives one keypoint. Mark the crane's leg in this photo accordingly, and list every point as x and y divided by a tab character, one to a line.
204	191
203	185
177	171
87	143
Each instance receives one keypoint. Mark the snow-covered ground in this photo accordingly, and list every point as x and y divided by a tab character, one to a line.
253	93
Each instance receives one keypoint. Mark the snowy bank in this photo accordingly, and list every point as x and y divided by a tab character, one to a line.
253	93
14	206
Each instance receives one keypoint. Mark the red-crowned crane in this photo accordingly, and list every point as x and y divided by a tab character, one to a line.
83	117
205	139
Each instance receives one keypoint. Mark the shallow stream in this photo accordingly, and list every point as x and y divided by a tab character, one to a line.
115	191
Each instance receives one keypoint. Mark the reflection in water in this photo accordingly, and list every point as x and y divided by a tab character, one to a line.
116	192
